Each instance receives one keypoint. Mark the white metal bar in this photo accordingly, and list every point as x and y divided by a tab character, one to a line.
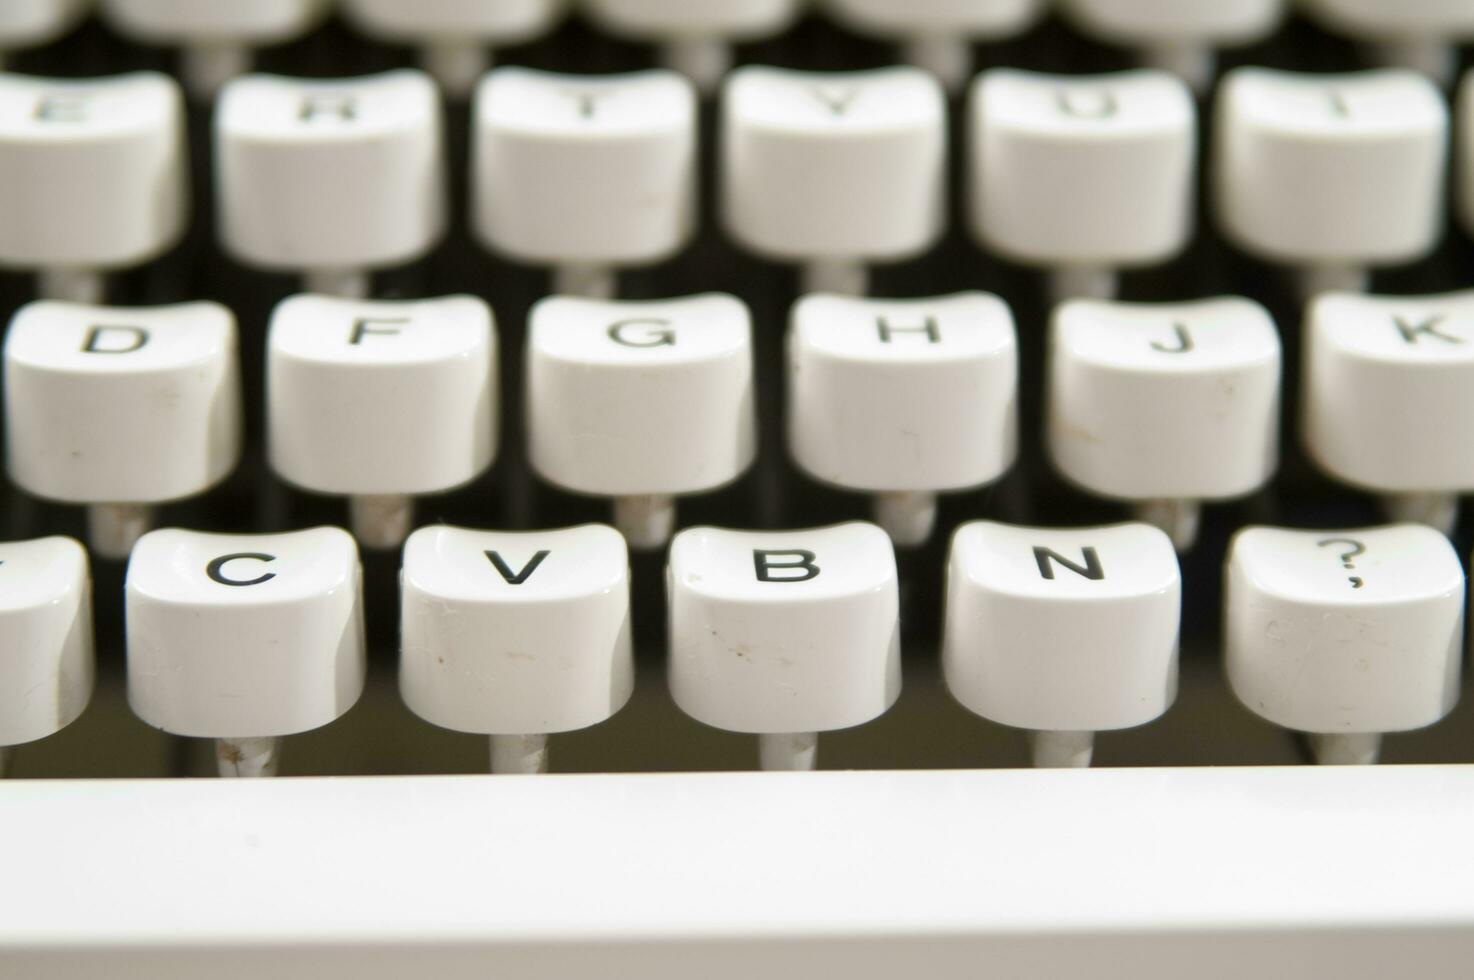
1356	873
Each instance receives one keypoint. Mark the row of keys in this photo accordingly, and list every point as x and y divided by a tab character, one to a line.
1344	635
1081	175
1160	405
454	35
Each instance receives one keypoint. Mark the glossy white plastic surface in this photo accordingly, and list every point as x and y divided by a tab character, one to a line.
848	165
891	395
516	633
244	635
119	405
46	658
738	20
775	632
1452	20
1314	168
385	397
1164	401
93	172
1062	630
1095	169
176	21
1146	21
498	21
629	398
330	174
1345	631
584	168
30	23
1389	390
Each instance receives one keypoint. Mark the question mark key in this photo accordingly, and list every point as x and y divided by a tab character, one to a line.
1345	634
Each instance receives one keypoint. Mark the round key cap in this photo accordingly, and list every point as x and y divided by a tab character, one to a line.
1417	34
784	634
330	178
453	35
32	23
93	176
1345	634
516	635
1389	398
244	638
1083	174
381	401
1177	35
937	34
904	399
121	408
695	34
46	658
1165	405
642	402
217	35
1062	632
1331	173
584	173
833	169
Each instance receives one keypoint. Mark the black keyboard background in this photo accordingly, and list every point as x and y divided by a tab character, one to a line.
925	729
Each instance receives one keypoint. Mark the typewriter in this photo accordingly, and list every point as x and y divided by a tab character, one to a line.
735	488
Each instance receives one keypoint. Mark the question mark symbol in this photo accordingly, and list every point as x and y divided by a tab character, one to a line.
1348	558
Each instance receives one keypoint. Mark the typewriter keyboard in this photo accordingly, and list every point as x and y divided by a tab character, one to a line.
406	389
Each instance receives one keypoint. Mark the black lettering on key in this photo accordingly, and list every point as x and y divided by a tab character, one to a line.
1184	341
587	100
654	337
343	107
61	109
888	330
1339	106
837	101
1092	569
216	568
796	560
1412	333
516	578
98	342
362	328
1087	103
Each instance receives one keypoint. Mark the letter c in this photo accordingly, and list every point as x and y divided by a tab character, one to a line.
216	568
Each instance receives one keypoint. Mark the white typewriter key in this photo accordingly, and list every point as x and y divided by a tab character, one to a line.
584	173
32	23
330	178
1083	174
454	36
516	635
1331	173
1062	632
641	402
1417	34
244	638
1389	399
217	35
834	170
938	34
784	634
46	659
121	409
695	34
93	176
1345	635
903	399
1165	405
381	402
1178	35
